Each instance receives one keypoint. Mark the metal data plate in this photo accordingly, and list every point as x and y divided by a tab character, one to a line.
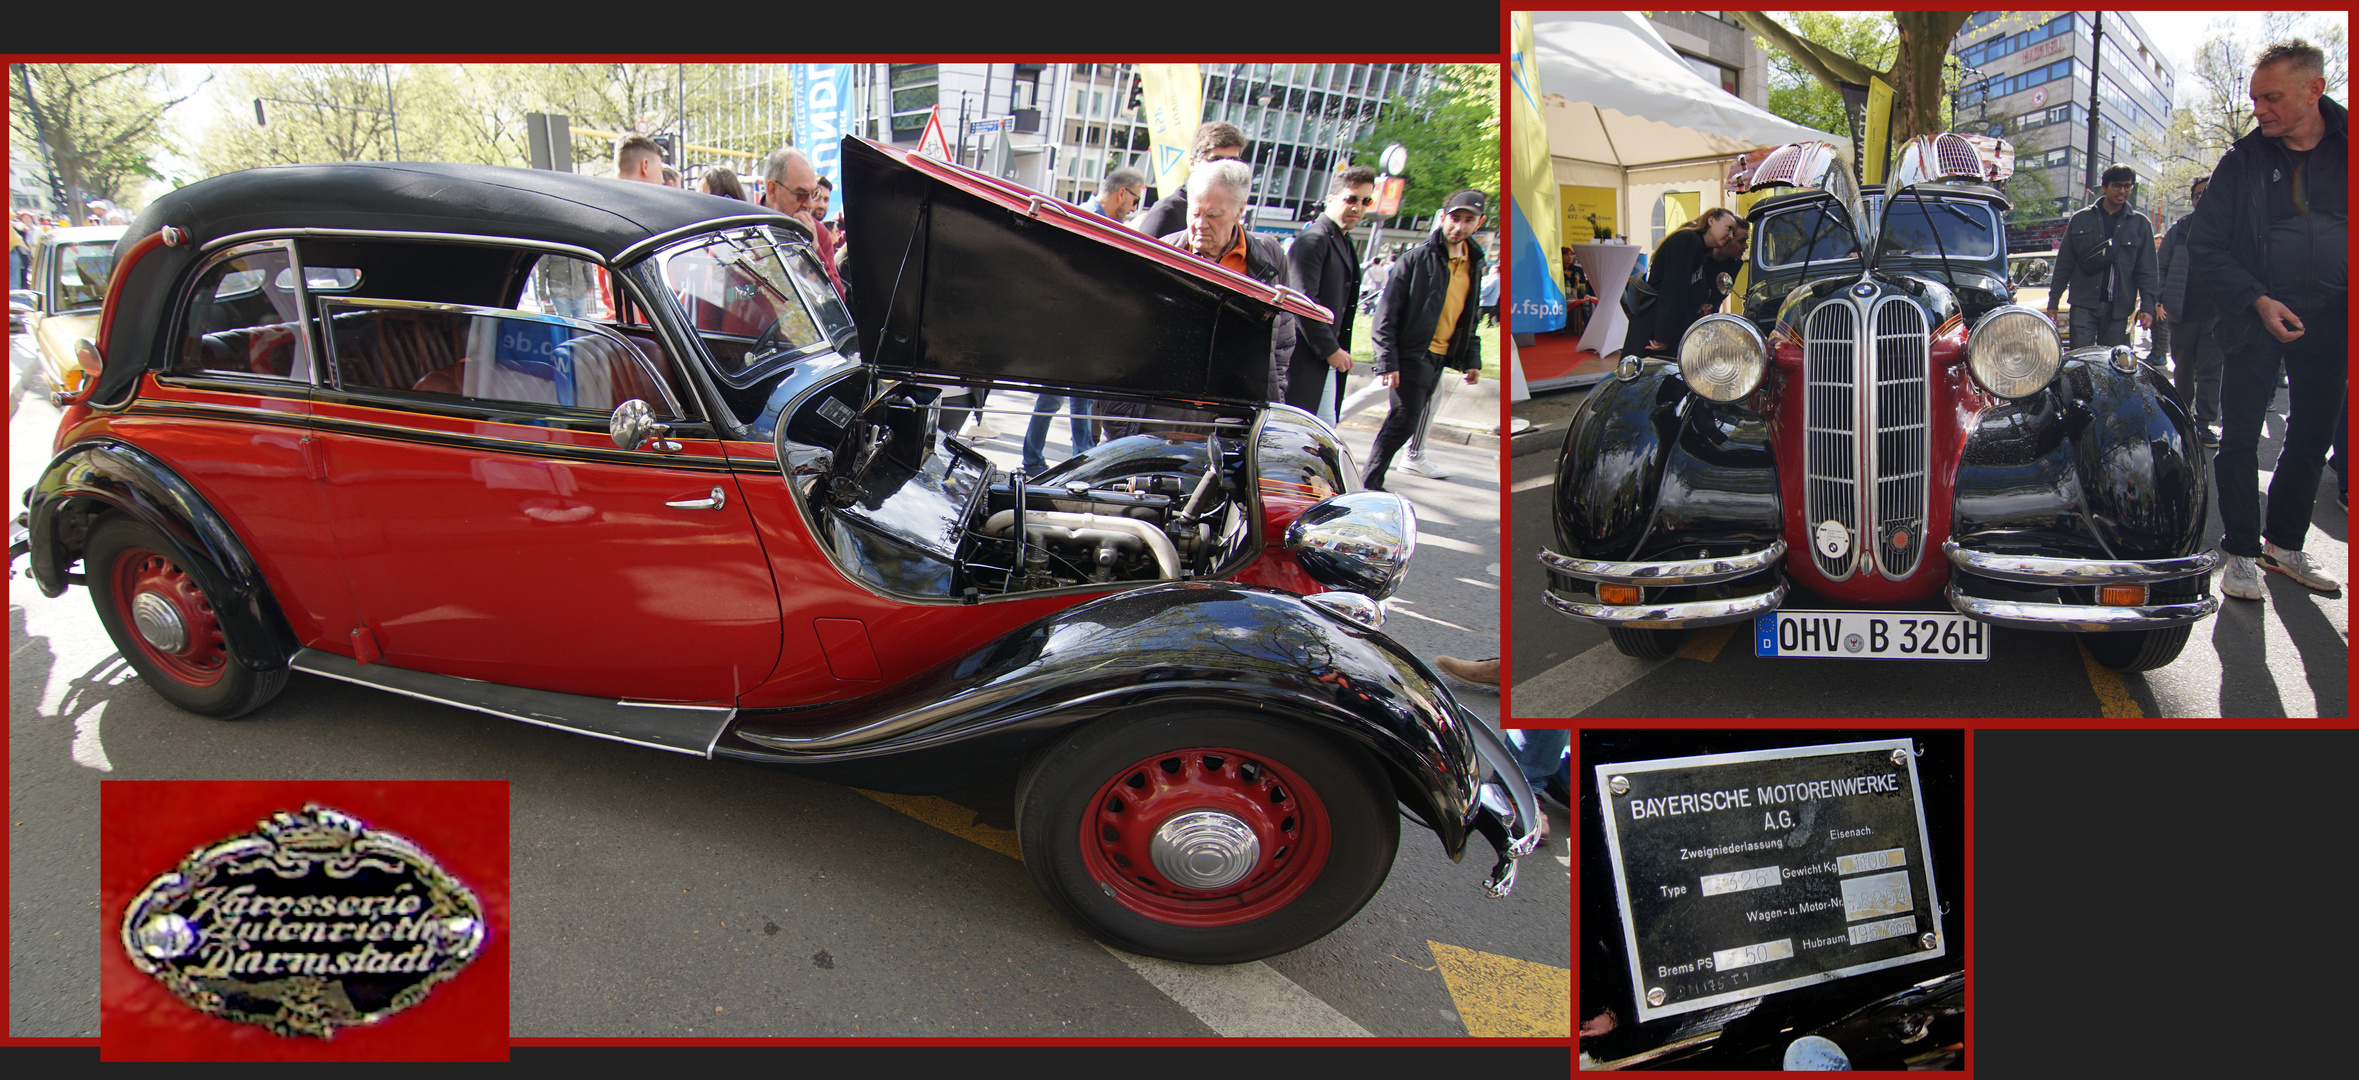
1871	635
1741	875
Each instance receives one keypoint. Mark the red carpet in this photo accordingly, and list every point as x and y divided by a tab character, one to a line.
1559	356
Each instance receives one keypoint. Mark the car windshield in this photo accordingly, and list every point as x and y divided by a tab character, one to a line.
82	271
758	299
1814	233
1934	226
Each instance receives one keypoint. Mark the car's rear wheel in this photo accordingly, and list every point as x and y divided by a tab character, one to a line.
167	625
1205	837
1646	644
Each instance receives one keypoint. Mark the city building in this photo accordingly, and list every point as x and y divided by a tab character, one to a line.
2029	82
1058	128
1724	53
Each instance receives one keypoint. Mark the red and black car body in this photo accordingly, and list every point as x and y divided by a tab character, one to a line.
1883	429
617	459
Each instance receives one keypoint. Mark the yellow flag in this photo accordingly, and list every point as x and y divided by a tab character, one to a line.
1174	98
1536	292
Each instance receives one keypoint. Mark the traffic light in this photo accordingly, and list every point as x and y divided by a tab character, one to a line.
663	143
1138	91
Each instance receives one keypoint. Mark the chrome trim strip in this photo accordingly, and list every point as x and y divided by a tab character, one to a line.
1688	572
319	663
2048	570
718	224
1692	613
2039	616
375	234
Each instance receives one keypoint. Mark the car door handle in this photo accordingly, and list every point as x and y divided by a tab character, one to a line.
713	501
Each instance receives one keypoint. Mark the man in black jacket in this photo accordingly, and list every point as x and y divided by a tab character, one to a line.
2107	259
1216	140
1327	267
2186	327
1426	323
2269	244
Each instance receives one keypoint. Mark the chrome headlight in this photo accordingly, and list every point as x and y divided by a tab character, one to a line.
1358	542
2014	352
1722	357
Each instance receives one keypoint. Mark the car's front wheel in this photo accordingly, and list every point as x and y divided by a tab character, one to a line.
1645	644
167	625
2146	650
1205	837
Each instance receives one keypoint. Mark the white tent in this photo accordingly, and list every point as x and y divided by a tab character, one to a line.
1625	111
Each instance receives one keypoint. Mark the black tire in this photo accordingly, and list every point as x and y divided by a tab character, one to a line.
126	560
1646	644
1322	814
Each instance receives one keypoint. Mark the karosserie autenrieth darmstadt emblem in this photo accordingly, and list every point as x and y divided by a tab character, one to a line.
311	923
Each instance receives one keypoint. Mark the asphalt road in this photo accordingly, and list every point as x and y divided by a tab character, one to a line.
2286	656
660	895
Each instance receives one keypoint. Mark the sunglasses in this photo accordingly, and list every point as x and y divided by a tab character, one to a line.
1359	200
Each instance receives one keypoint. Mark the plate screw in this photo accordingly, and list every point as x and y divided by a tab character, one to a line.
1619	785
1655	997
1900	755
1927	941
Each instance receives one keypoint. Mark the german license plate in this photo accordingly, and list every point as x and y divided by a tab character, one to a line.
1871	635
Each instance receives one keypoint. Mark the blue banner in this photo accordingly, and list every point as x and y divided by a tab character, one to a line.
1537	288
823	102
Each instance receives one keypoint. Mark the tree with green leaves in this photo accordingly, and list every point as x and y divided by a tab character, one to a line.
1451	132
1797	94
1918	69
100	124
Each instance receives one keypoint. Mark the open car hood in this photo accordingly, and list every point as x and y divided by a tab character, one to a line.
959	277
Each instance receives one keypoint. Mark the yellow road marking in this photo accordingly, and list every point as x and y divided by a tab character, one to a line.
2113	697
1705	644
951	818
1501	997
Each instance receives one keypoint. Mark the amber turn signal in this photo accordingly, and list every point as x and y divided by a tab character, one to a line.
1617	595
2121	595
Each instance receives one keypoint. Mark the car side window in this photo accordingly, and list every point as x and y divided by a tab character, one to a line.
242	320
489	355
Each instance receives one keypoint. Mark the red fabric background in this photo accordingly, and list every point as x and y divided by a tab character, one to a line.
147	827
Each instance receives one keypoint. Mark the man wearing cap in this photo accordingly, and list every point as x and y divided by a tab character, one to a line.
1425	323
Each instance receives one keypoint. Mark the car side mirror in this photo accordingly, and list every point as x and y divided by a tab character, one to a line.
634	427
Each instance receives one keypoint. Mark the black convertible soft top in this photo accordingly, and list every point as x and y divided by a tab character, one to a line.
600	214
605	217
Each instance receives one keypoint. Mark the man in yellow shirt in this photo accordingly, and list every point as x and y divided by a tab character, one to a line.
1424	323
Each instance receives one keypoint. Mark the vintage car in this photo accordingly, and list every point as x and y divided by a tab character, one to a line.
1883	428
615	458
69	275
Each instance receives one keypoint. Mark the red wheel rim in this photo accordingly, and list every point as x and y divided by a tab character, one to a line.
203	654
1289	826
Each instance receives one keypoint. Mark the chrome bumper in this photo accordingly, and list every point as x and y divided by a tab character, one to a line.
2043	570
1506	812
1662	574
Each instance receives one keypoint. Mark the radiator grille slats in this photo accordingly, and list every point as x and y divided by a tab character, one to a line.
1892	414
1830	350
1902	421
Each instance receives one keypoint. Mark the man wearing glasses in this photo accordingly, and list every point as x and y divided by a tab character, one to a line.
791	186
1327	267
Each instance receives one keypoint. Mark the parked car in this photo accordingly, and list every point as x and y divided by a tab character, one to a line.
615	458
1886	430
69	276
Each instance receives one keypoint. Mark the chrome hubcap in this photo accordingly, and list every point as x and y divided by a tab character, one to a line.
159	622
1205	849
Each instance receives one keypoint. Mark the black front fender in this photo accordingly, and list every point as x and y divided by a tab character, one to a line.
1171	646
102	476
2102	463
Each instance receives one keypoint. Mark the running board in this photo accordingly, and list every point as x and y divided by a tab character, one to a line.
682	729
